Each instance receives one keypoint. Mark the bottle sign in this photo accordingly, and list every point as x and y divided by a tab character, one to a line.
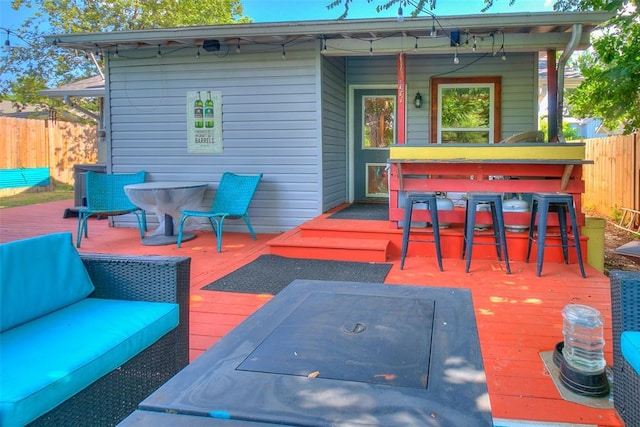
198	110
208	111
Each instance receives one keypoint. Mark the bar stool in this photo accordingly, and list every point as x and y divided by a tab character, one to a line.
500	240
430	200
542	204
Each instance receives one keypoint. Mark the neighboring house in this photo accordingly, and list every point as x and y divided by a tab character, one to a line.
315	105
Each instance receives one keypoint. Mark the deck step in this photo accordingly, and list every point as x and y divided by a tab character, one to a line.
332	248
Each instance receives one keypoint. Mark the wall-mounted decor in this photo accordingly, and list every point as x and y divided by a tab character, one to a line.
204	121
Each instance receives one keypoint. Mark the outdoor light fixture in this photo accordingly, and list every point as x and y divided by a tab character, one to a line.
434	32
417	101
284	54
400	17
456	60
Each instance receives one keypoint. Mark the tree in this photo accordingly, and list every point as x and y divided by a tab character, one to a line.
417	6
611	68
35	66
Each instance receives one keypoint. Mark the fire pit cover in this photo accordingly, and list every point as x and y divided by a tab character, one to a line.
363	338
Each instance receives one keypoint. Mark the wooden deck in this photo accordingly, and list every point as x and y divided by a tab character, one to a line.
518	315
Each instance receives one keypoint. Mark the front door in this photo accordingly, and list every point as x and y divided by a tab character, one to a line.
374	131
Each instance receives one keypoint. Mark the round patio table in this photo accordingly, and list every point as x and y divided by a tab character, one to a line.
166	200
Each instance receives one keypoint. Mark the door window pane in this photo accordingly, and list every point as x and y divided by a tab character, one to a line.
378	121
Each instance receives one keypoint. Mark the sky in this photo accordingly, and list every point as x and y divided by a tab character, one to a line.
306	10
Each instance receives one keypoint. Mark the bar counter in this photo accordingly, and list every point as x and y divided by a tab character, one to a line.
507	168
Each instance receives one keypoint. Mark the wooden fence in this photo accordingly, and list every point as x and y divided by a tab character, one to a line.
613	181
27	145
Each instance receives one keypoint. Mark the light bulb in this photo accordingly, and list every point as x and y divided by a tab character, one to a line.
400	17
456	60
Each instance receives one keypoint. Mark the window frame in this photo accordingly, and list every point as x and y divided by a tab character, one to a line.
439	82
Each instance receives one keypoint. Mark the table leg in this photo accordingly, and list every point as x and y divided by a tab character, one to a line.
168	238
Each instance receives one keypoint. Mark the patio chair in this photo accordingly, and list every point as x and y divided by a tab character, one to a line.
232	200
106	197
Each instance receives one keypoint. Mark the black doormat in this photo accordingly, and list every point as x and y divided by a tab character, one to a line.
366	211
269	274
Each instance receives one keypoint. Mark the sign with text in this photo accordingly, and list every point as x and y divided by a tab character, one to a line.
204	121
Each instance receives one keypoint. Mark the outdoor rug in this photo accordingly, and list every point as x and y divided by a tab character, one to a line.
366	211
269	274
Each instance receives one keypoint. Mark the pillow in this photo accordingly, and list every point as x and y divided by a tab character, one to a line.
40	275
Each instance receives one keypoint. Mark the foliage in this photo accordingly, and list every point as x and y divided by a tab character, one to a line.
426	6
35	65
611	68
569	132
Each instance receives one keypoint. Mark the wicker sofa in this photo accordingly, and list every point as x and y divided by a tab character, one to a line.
625	312
144	298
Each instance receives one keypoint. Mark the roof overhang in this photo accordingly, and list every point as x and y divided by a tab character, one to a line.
515	31
91	87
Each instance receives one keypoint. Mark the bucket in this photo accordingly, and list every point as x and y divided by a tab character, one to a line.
594	230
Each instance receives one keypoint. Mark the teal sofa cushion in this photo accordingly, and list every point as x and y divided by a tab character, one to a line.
630	348
48	360
38	276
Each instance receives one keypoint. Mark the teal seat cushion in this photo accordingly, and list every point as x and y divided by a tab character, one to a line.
38	276
630	348
48	360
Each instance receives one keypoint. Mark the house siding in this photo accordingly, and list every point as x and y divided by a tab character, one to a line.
270	126
334	132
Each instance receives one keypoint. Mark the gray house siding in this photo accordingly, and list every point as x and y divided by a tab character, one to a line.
270	125
334	132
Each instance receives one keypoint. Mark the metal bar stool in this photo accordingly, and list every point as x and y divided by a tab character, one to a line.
500	240
542	204
430	200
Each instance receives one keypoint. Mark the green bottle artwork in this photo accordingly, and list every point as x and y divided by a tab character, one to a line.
198	109
208	111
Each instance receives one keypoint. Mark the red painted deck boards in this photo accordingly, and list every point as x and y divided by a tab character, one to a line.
518	315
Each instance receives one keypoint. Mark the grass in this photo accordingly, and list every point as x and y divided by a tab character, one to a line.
24	199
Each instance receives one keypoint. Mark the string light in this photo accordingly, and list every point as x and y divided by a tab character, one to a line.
400	17
456	60
434	32
284	54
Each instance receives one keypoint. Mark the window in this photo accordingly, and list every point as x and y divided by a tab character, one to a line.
379	121
465	109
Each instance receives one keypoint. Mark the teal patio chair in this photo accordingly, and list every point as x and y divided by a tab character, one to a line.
232	199
106	197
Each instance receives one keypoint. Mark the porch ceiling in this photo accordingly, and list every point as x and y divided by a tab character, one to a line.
517	32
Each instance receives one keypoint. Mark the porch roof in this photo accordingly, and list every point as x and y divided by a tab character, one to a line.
514	31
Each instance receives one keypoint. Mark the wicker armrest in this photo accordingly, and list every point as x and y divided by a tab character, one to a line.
625	315
144	278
